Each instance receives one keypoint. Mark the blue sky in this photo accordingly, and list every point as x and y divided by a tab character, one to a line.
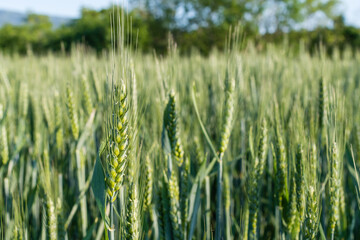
71	8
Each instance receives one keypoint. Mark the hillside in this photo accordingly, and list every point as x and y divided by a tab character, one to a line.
17	18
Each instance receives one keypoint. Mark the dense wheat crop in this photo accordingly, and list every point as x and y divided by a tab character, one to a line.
237	145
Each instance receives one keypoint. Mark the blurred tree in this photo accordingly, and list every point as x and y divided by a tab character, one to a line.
193	24
289	13
38	28
92	29
33	33
13	38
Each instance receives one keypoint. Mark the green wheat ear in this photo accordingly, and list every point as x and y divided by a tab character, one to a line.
160	212
174	199
292	209
86	94
253	196
255	180
4	148
281	170
184	189
48	114
51	221
132	213
72	112
334	189
171	124
24	99
321	104
118	142
163	209
311	220
228	114
223	144
148	184
263	146
312	214
16	233
50	216
300	182
58	123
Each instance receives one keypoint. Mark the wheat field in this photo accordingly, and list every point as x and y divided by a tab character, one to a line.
238	145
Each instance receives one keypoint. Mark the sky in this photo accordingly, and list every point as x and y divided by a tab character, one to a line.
71	8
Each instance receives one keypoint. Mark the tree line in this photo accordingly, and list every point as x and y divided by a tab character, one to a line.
198	25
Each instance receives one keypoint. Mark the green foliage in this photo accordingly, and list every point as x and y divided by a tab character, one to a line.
193	24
